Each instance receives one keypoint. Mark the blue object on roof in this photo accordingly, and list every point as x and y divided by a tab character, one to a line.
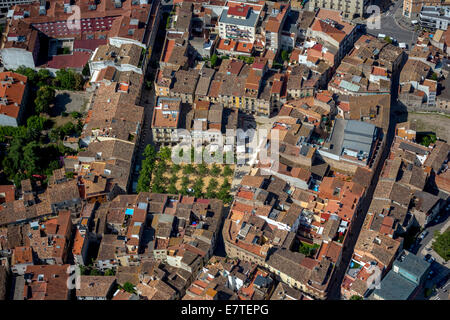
129	211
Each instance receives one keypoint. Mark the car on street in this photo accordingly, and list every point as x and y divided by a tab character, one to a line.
427	256
423	235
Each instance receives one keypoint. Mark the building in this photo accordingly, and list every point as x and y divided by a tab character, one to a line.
96	287
166	120
352	141
405	279
13	98
238	22
350	9
10	3
412	8
46	282
435	18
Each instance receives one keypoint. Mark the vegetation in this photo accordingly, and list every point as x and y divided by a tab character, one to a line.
26	152
148	164
66	79
86	70
441	244
248	60
45	96
214	60
434	76
227	171
308	249
285	55
356	297
426	139
128	287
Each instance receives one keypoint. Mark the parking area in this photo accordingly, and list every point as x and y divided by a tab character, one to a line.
70	101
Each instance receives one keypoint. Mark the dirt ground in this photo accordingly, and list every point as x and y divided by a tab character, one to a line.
434	122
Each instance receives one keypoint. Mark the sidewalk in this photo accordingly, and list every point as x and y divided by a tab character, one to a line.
402	21
432	252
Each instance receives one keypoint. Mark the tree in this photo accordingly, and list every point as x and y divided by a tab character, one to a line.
188	169
285	55
36	123
441	244
202	169
211	189
68	79
175	168
110	272
129	287
356	297
215	170
148	164
198	187
434	76
224	192
28	72
86	71
227	171
43	77
165	153
95	272
45	96
214	58
172	189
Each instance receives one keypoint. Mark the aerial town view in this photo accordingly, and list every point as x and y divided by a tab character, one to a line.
224	150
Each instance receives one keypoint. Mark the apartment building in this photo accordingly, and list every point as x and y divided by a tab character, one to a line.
434	17
166	120
412	8
349	8
238	22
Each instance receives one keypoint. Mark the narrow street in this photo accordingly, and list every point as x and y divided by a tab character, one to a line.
148	101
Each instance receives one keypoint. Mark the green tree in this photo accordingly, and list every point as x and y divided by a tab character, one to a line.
215	170
44	97
172	189
202	169
212	188
95	272
188	169
227	171
434	76
86	71
198	187
129	287
36	123
148	164
43	77
165	153
175	168
441	244
224	192
356	297
29	73
110	272
214	59
285	55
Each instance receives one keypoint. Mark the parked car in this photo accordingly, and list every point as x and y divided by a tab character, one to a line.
428	256
430	274
423	235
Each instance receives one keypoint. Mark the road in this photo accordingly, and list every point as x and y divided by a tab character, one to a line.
148	100
390	27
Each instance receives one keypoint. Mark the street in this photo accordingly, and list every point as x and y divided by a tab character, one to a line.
390	27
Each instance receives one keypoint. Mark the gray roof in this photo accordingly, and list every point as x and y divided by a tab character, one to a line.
249	22
358	136
412	264
395	287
